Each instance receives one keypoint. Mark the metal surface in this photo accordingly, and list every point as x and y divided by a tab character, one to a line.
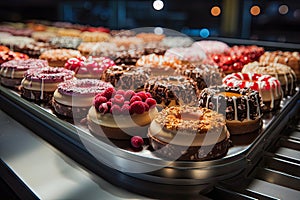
48	173
199	175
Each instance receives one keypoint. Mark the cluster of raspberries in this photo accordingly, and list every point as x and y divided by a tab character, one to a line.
122	102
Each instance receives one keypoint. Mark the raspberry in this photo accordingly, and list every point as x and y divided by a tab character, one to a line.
125	110
118	99
128	94
142	95
121	92
151	102
98	100
146	106
137	107
103	108
137	141
108	93
135	98
109	104
126	102
149	95
115	110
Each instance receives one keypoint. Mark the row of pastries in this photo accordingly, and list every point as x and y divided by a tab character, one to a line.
186	97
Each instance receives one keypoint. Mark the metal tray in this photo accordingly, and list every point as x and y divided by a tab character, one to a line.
144	165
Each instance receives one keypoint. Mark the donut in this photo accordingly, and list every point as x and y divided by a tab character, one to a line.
68	32
172	90
12	72
211	46
234	60
43	36
11	55
188	54
4	48
126	77
177	41
65	42
121	114
58	57
91	67
127	57
268	87
159	65
205	75
33	49
291	59
127	42
87	36
73	98
283	73
97	48
241	106
39	84
189	134
150	37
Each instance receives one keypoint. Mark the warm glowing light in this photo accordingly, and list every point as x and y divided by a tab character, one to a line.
283	9
255	10
215	11
158	4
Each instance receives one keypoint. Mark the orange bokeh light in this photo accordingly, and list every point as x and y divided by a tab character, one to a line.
215	11
255	10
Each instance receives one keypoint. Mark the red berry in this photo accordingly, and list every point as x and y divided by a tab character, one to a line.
103	108
146	106
135	98
108	93
121	92
137	141
126	102
98	100
151	102
137	107
128	94
115	110
142	95
125	110
149	95
118	99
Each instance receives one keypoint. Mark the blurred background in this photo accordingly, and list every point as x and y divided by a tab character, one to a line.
272	20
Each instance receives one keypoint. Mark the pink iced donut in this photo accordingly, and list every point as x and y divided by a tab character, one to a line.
211	46
186	54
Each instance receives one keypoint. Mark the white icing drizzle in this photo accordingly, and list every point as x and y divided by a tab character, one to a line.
207	101
286	83
217	104
292	83
42	90
235	108
258	106
248	108
12	73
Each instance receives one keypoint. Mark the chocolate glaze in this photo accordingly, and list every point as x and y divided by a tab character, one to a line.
10	82
36	95
192	153
70	111
126	77
237	109
164	89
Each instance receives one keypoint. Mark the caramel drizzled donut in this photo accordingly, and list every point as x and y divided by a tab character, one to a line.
291	59
172	90
189	133
242	107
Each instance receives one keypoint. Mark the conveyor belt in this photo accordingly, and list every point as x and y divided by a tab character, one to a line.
277	174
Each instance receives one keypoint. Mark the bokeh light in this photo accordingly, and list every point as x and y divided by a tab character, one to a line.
255	10
215	11
158	4
204	33
283	9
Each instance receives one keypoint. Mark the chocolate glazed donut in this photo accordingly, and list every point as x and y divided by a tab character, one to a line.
242	107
